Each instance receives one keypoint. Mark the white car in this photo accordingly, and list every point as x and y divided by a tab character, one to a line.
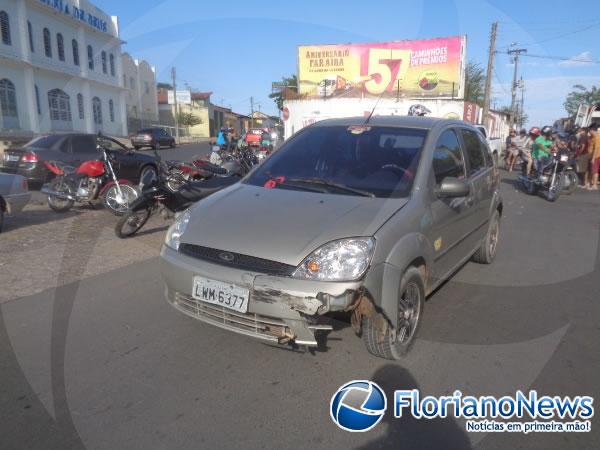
14	194
495	143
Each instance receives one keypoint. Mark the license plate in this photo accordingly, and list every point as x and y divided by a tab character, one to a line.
564	158
222	294
8	157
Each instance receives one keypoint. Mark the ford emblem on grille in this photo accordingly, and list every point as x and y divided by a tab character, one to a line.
226	256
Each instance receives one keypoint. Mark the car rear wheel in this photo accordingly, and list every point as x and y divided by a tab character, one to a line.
487	252
157	146
397	343
172	145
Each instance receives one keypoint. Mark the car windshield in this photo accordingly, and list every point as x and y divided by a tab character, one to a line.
355	160
45	141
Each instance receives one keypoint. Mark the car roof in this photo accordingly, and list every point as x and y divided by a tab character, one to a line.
390	121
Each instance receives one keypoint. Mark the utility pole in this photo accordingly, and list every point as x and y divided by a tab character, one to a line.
174	77
522	86
513	103
490	71
252	112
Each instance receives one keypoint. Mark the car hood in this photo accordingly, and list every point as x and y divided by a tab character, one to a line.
283	225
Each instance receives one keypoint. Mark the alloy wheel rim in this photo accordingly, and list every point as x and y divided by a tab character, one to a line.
494	238
408	313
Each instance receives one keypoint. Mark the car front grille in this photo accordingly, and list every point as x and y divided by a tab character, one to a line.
237	260
249	324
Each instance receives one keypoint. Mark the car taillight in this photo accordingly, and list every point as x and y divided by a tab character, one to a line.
29	157
147	137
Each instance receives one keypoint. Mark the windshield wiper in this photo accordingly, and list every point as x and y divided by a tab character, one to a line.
328	184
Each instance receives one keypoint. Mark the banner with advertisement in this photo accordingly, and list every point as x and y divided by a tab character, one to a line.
420	68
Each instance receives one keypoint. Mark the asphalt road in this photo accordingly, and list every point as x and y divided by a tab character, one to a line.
92	356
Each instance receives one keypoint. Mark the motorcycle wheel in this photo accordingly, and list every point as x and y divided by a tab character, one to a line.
119	206
56	204
571	182
555	190
131	223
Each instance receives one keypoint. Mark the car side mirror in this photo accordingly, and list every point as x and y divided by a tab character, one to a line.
451	187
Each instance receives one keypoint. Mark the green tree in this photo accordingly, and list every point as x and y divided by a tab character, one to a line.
474	83
289	91
161	85
580	94
189	119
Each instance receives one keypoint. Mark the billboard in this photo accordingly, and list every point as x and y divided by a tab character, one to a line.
183	97
421	68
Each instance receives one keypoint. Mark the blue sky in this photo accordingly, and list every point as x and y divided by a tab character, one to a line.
236	49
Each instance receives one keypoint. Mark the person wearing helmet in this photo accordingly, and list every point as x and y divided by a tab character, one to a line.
541	148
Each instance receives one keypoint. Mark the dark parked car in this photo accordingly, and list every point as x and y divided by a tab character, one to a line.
152	137
72	149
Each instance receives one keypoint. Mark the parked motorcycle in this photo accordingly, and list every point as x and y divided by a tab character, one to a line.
555	178
158	196
90	182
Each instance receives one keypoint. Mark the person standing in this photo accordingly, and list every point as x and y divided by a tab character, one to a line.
582	156
511	150
523	146
594	150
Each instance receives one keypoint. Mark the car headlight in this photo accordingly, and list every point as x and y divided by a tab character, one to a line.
341	260
177	229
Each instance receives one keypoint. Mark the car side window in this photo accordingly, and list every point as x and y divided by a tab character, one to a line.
474	151
83	144
448	158
64	145
489	161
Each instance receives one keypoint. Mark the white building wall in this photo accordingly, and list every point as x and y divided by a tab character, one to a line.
26	69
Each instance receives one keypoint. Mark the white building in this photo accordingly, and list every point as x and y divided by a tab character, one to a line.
139	79
60	69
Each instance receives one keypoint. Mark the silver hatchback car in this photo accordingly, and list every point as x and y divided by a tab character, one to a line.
367	218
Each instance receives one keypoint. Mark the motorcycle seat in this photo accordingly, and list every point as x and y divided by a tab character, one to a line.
209	167
197	190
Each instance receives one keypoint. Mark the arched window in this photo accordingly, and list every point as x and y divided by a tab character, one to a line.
90	55
75	46
30	33
112	64
37	100
103	57
47	43
111	110
5	28
8	104
97	109
60	110
80	106
60	44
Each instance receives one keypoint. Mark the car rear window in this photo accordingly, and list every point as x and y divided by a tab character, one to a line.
147	131
44	141
378	160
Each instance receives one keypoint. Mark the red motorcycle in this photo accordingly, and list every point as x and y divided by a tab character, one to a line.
91	182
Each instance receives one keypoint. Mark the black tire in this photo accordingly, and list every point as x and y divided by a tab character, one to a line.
126	227
156	146
173	145
56	204
487	252
136	147
147	169
412	286
571	182
109	199
554	193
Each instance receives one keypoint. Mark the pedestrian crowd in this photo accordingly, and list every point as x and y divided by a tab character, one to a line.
535	148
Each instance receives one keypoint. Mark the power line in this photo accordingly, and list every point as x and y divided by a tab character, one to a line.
561	58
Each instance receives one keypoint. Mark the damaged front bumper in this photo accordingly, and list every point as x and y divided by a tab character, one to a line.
280	309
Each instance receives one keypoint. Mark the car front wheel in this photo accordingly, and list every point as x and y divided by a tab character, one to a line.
397	343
